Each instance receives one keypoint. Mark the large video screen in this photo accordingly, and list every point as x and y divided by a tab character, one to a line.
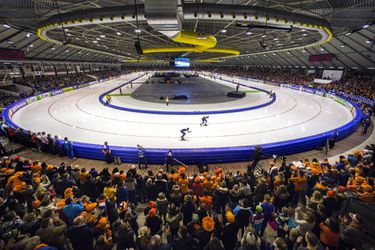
181	62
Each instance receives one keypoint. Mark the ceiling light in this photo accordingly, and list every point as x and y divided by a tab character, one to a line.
67	51
321	49
68	34
31	45
304	34
288	53
303	30
348	34
274	54
53	48
368	41
77	38
98	38
303	51
300	38
342	46
264	36
365	26
102	36
6	26
249	33
95	41
9	41
291	41
28	34
137	31
118	33
276	39
223	31
79	52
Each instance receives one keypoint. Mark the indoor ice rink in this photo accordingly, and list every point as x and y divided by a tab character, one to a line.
187	124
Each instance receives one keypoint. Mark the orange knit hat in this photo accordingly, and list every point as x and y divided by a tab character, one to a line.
36	203
230	216
208	224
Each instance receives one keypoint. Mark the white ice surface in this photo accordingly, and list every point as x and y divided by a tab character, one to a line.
79	116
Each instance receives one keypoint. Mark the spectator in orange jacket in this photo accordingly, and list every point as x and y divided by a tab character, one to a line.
330	233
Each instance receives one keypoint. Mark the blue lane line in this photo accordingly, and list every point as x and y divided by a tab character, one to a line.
158	112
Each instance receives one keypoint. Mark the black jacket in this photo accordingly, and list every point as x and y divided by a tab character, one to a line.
82	237
230	231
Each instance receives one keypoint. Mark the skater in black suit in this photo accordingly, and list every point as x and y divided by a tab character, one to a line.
184	131
204	120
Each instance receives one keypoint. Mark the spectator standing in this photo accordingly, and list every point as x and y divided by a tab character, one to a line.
68	147
142	161
81	235
106	150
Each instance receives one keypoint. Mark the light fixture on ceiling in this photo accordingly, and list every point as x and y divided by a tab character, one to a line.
6	26
102	36
28	34
68	34
94	41
321	49
365	26
67	51
288	53
118	33
348	34
304	34
53	48
31	45
223	31
249	33
275	39
98	38
264	36
368	41
303	30
342	46
137	31
9	41
304	51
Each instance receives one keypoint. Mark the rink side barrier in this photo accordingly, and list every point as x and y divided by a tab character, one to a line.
159	112
206	155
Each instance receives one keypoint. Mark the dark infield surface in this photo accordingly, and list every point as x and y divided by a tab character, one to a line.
198	90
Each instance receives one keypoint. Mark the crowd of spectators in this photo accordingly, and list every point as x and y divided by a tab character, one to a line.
101	75
352	85
300	205
6	99
40	84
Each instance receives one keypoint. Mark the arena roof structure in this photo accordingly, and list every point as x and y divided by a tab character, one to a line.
235	32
